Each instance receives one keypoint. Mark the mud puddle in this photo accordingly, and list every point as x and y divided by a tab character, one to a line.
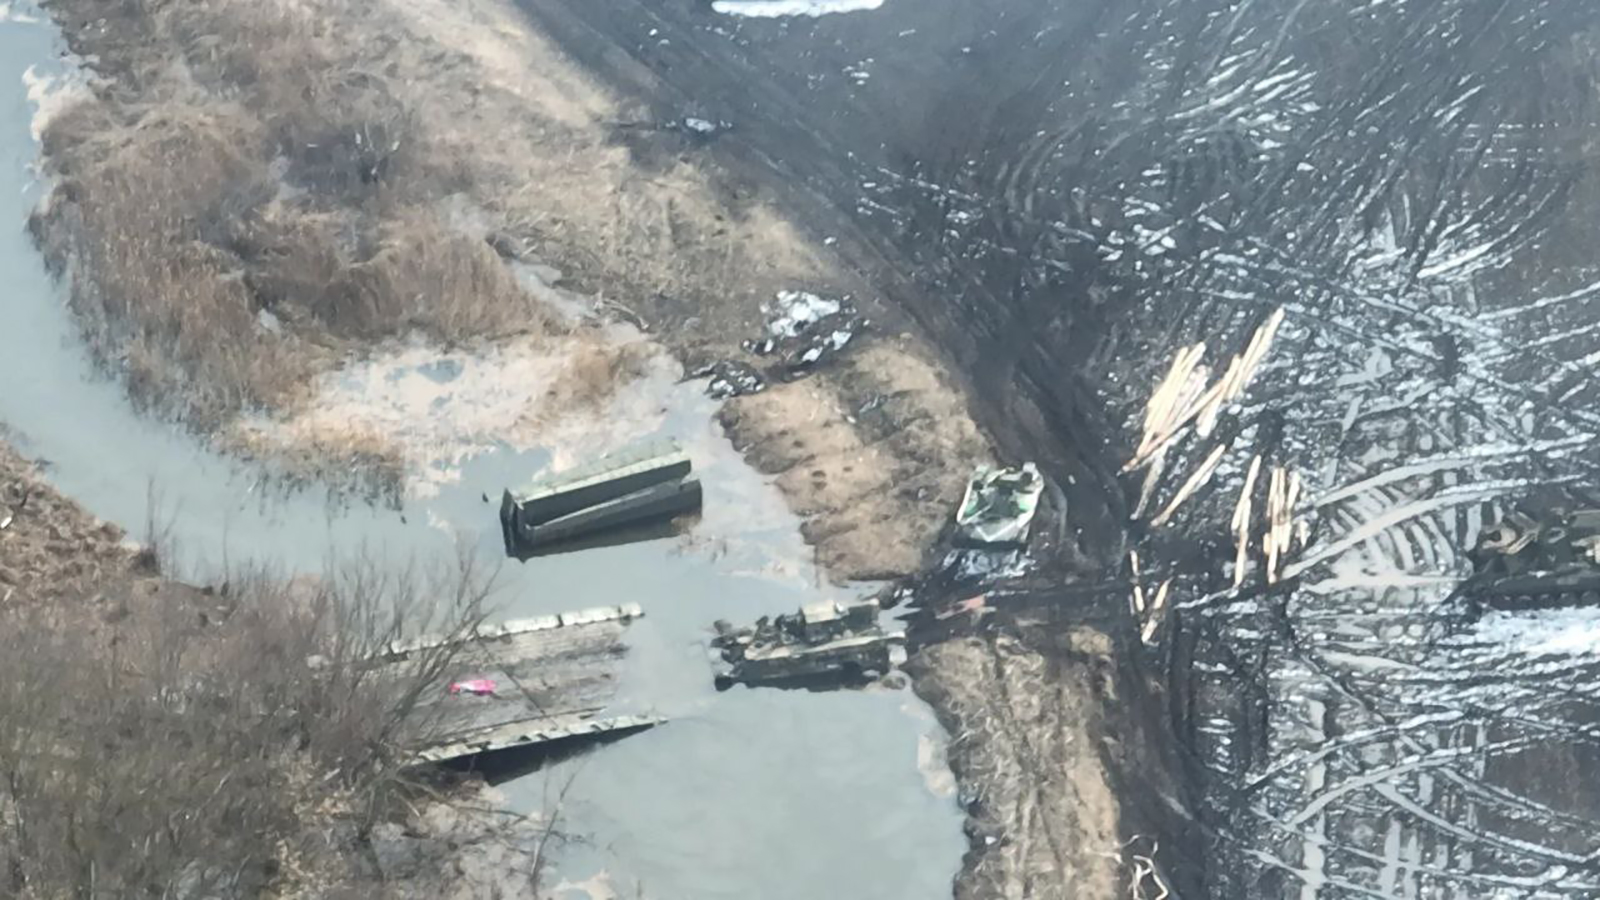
746	793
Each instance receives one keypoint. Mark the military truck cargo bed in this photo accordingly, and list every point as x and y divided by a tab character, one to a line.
646	483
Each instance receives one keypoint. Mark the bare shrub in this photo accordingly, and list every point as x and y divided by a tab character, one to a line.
183	747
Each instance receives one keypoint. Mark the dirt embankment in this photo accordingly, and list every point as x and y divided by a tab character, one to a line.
1027	749
253	193
51	547
1067	781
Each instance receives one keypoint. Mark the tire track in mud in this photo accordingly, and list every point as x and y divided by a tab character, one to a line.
1192	173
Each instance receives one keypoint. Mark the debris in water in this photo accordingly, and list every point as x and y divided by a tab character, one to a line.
646	483
822	641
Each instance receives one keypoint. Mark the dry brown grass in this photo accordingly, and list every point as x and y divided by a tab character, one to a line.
1029	750
593	372
356	461
259	173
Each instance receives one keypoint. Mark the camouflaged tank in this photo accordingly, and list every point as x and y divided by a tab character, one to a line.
1537	561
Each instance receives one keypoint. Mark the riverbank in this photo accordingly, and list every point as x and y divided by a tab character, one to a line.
237	230
214	751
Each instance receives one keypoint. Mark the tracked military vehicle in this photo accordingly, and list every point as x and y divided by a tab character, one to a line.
1537	561
823	642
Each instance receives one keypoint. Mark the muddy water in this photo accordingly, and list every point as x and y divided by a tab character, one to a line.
744	794
1065	193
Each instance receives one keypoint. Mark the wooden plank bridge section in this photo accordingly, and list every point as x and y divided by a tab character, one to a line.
524	683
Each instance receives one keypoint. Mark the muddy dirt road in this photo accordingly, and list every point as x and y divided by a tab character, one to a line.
1063	195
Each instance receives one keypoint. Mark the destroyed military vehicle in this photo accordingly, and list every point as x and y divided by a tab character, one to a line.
1537	561
646	483
998	507
823	642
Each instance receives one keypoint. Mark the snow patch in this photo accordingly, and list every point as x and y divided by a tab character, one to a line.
50	92
791	311
775	9
22	13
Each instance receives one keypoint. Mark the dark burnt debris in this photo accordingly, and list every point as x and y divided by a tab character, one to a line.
1537	559
804	331
822	645
730	378
993	560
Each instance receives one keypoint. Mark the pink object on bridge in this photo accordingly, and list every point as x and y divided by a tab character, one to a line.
480	686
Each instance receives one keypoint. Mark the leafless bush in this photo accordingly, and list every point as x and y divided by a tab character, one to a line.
183	748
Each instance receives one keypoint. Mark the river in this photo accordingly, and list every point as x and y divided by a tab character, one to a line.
745	793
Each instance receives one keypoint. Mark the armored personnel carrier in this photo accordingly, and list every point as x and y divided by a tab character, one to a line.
821	642
1537	561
